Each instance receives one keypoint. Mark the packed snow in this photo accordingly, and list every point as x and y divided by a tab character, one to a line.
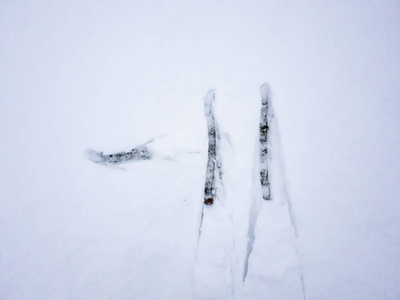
83	215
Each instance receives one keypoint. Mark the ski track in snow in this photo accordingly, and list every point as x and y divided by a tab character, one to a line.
112	76
278	209
271	229
215	248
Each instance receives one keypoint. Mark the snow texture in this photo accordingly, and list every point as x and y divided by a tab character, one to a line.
102	75
272	259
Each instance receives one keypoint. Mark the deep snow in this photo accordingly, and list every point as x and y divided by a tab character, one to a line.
79	75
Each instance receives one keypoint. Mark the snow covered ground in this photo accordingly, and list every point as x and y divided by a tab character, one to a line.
111	75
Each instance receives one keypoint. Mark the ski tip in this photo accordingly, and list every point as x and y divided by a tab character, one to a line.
211	92
265	91
210	97
94	156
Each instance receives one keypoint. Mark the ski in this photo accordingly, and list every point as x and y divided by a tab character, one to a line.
138	153
213	164
264	140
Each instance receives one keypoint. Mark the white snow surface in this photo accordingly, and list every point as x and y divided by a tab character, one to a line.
111	75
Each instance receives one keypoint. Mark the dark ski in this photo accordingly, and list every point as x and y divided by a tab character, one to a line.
213	163
264	140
